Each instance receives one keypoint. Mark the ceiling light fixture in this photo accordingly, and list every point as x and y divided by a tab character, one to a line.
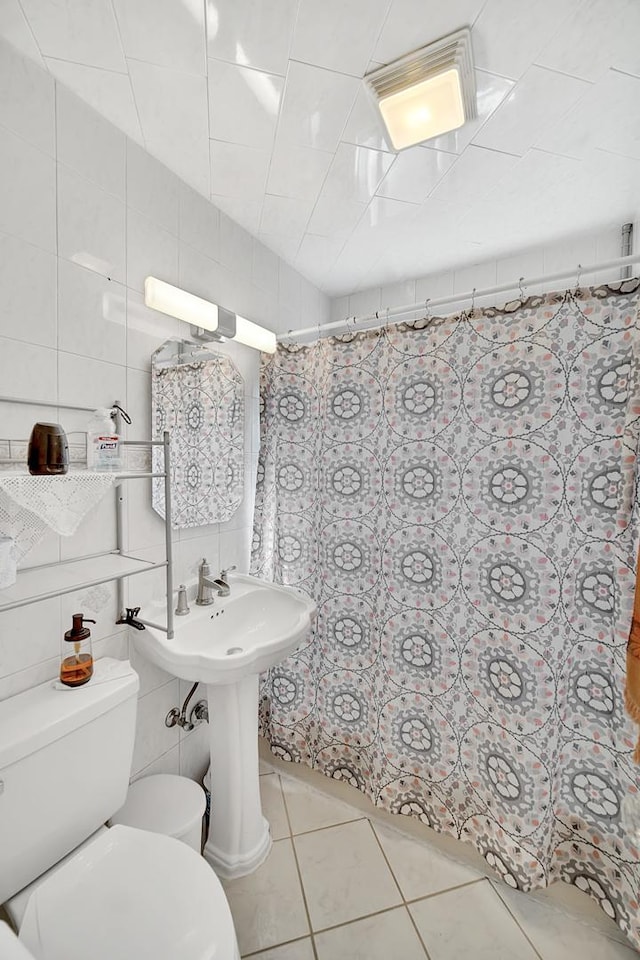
204	315
428	92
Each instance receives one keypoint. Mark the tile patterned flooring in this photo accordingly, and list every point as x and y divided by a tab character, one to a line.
340	885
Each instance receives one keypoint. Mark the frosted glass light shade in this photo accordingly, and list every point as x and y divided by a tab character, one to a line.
426	110
426	93
253	335
178	303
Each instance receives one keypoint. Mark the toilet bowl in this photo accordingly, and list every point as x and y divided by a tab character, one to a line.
130	894
10	947
73	888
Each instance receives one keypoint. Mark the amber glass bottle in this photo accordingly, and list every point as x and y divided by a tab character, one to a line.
76	662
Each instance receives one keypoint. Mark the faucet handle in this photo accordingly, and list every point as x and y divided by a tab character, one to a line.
183	607
223	573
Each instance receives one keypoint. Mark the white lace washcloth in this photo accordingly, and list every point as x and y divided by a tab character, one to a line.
29	506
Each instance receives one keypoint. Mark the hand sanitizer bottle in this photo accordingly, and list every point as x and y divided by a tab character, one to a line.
103	443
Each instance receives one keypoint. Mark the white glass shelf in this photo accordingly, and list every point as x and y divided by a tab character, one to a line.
54	580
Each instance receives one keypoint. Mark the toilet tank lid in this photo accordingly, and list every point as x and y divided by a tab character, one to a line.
41	715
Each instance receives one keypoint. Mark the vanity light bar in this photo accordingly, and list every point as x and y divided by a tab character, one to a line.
204	315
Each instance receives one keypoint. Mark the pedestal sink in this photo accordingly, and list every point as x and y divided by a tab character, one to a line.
226	646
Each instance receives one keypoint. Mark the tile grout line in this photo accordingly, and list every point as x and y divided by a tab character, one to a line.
405	903
556	908
367	916
460	886
295	857
515	919
285	943
395	880
375	815
330	826
127	74
439	893
325	795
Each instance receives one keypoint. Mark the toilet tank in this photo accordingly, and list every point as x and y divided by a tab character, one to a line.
65	762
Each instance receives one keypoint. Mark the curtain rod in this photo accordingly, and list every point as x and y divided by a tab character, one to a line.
397	314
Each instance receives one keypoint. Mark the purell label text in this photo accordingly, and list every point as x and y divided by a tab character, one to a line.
107	443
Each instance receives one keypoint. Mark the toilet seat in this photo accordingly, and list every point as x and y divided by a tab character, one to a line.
130	894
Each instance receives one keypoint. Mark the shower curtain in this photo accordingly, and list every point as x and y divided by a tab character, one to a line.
459	497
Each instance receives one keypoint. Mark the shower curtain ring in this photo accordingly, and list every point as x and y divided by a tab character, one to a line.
427	308
473	300
522	296
578	274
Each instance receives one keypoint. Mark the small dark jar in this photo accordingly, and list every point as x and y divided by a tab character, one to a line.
48	450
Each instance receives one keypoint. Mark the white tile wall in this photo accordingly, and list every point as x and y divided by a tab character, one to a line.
163	32
91	225
13	26
80	228
346	50
262	108
88	33
86	213
27	192
252	33
248	111
556	255
89	144
184	102
315	106
109	93
27	288
26	101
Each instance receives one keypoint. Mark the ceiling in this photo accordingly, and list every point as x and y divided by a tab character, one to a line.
260	105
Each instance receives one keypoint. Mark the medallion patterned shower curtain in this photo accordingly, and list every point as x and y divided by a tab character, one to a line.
459	496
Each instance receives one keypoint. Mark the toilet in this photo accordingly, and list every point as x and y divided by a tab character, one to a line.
71	887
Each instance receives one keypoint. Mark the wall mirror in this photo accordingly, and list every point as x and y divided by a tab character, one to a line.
198	395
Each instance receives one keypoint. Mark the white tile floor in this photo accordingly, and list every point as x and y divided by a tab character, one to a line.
339	885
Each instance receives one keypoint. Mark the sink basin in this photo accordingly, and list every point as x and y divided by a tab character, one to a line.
252	629
227	645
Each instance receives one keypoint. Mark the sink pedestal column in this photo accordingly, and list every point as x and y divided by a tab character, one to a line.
239	838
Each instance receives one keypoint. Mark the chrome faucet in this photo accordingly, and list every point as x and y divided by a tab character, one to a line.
223	583
206	585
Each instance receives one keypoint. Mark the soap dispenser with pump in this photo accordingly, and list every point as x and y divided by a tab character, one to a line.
76	662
